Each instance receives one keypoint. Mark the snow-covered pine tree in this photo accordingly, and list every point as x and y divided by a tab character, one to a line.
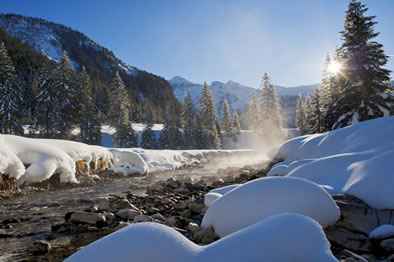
188	119
171	136
87	118
10	96
236	125
270	109
47	112
308	112
200	138
148	137
63	81
365	92
300	115
118	115
253	114
209	117
226	127
315	117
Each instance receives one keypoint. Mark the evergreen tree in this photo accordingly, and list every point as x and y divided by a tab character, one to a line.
209	117
47	113
235	124
300	115
64	83
171	136
188	121
308	111
253	114
315	117
364	92
118	115
226	120
148	137
87	118
10	96
200	139
270	108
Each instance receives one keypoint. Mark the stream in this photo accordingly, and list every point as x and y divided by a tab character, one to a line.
27	218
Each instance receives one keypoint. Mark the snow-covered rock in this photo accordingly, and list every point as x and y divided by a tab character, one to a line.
300	237
356	160
217	193
383	231
264	197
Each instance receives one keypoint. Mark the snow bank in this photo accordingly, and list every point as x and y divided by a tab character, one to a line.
263	241
9	162
137	160
265	197
42	160
356	160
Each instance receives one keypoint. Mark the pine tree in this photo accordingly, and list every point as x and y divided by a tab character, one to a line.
63	81
300	115
253	114
209	117
87	118
308	111
235	124
364	89
188	119
118	115
315	116
270	109
171	136
226	120
148	137
10	96
47	112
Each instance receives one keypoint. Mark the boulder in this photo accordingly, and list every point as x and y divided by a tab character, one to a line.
127	214
40	247
87	218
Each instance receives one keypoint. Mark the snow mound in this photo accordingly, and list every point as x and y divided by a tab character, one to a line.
217	193
265	197
356	160
128	162
263	241
382	231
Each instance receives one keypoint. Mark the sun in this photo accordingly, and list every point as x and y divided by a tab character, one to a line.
334	67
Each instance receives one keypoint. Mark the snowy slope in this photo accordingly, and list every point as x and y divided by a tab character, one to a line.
238	95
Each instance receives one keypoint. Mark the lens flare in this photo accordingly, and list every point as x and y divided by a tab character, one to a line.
334	67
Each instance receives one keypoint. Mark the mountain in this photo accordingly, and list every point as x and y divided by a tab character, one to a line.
238	95
147	91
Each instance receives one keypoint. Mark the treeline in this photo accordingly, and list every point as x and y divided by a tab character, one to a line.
185	128
355	85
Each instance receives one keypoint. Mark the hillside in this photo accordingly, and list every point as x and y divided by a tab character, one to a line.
146	90
238	95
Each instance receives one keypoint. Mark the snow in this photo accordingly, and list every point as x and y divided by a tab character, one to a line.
217	193
43	160
46	157
382	231
356	160
265	197
262	241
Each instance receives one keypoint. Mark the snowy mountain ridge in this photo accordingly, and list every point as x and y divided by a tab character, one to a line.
46	38
238	95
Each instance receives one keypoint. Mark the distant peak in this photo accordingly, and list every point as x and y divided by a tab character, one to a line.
178	79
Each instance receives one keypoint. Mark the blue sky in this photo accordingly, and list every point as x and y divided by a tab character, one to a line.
209	40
